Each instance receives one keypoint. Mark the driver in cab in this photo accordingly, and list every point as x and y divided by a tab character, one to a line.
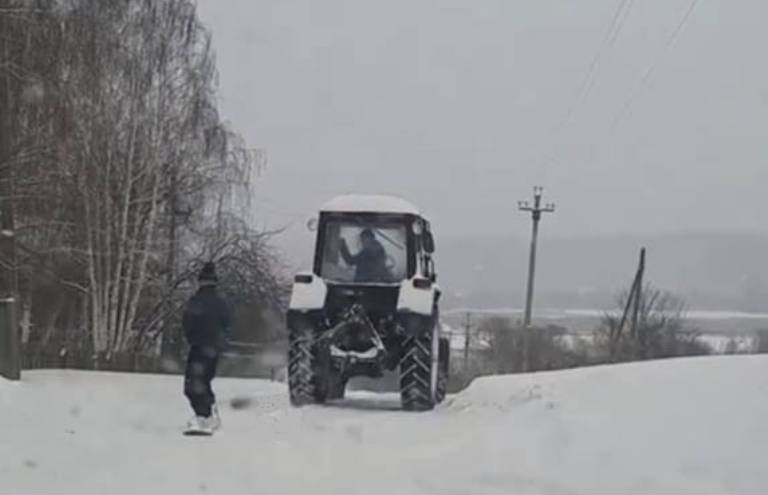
371	262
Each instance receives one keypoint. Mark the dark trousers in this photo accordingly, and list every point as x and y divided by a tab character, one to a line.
201	368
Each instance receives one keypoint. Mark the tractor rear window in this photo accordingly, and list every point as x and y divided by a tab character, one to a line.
357	252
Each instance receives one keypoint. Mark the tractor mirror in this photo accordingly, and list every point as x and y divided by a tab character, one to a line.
429	242
312	224
431	270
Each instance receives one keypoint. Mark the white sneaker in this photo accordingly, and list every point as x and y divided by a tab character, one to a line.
215	420
193	423
199	424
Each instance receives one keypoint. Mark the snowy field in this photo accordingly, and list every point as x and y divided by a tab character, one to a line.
586	320
694	426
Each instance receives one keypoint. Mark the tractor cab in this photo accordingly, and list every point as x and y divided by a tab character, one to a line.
372	240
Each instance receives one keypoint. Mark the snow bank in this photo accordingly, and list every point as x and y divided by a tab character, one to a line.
692	426
676	426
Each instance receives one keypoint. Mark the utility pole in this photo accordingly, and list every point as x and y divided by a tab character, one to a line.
467	328
638	297
536	211
634	301
10	366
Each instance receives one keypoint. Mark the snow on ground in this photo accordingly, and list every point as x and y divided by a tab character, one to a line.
692	426
720	343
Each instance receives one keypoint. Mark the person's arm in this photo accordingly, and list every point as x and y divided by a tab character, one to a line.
190	319
348	257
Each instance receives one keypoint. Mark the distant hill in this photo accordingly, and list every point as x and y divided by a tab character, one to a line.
711	271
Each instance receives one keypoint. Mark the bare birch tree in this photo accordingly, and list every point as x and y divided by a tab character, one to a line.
127	175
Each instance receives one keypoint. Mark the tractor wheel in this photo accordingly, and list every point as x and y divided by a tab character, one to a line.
443	370
416	369
301	375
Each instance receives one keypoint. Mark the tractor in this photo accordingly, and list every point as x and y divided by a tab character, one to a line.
369	304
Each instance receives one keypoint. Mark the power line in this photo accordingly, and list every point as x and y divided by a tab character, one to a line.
609	38
671	40
624	18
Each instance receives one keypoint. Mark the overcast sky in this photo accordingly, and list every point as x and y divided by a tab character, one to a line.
455	105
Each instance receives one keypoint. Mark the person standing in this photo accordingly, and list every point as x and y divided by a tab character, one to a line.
371	262
206	324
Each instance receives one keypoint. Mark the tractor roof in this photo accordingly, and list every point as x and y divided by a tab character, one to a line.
364	203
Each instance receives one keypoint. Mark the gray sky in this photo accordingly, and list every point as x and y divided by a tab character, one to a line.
453	104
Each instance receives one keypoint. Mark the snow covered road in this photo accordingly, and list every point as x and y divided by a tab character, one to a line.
694	426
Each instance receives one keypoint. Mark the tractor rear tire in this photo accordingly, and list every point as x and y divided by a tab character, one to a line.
443	370
416	392
301	365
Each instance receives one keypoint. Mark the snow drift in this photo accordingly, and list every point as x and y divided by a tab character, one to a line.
689	426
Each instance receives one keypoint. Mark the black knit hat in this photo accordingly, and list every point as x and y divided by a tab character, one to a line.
207	275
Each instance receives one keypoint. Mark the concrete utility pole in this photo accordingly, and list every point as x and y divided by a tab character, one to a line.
9	331
536	211
634	302
467	328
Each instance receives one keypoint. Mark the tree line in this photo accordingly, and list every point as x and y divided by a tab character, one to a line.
509	347
120	177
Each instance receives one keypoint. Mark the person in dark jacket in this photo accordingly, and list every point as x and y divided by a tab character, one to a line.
371	262
206	324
